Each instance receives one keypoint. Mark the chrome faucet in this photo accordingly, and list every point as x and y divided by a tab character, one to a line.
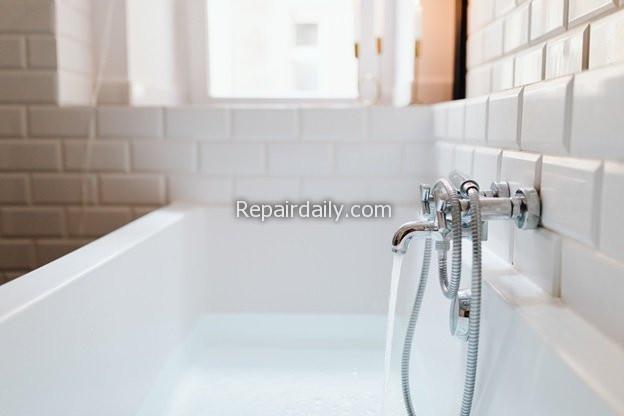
454	209
503	201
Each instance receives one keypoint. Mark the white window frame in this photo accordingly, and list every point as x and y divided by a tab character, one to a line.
196	23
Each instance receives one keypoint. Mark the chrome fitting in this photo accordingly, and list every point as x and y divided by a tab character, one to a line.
459	318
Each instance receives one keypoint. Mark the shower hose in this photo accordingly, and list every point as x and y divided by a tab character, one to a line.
475	312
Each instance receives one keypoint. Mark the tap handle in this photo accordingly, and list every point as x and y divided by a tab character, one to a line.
462	182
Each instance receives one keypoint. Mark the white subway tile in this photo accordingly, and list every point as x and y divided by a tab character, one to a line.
445	158
349	190
598	114
12	51
133	122
583	10
463	159
300	159
500	239
339	189
521	168
197	123
548	17
60	121
368	160
475	123
440	120
267	189
96	221
42	51
233	158
164	156
51	249
400	123
479	81
27	16
96	156
591	284
537	254
474	49
563	180
13	189
132	189
267	124
493	40
201	189
546	116
502	7
504	116
503	74
417	159
607	38
27	155
486	165
63	189
480	13
529	66
517	28
393	190
333	123
33	222
12	121
28	87
612	220
17	254
455	118
567	54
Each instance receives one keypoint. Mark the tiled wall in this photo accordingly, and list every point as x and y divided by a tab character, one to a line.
59	189
512	43
45	51
566	137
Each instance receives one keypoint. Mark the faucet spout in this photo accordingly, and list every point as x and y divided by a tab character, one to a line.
414	229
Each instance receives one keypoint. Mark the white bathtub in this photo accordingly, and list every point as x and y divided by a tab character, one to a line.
188	311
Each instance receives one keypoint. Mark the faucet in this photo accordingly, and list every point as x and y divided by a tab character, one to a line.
421	229
497	203
452	209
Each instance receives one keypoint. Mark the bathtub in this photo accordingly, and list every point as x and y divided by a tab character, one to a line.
189	311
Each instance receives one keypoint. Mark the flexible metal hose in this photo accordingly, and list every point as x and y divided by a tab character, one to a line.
411	325
475	305
475	314
450	288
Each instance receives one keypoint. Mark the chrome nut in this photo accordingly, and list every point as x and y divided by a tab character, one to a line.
426	199
530	208
459	319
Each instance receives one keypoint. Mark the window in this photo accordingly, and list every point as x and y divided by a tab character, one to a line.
281	49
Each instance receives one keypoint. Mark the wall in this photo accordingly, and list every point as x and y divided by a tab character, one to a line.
562	135
28	58
58	190
155	50
74	46
512	43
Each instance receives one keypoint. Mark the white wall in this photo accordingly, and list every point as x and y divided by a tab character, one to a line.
141	49
58	190
155	56
562	135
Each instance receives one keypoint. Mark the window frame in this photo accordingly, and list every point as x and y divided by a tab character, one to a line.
197	32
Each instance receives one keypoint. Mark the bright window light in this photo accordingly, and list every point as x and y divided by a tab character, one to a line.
281	49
